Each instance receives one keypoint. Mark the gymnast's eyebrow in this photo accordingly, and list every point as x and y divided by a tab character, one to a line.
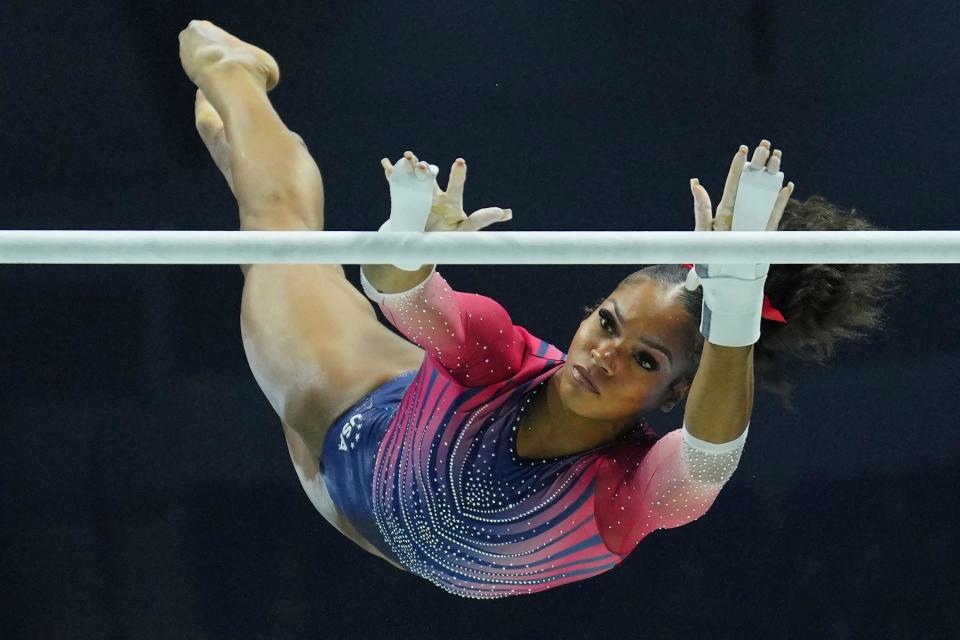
653	344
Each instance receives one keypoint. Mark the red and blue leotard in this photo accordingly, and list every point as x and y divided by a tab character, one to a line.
457	506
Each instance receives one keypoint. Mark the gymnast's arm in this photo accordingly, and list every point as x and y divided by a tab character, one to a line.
679	478
721	397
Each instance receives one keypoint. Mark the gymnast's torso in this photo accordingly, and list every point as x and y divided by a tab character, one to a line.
426	469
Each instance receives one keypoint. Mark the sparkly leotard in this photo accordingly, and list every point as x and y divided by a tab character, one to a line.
457	506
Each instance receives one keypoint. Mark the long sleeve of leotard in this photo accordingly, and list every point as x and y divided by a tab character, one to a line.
470	335
668	485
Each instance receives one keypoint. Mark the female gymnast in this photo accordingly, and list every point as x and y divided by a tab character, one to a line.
476	455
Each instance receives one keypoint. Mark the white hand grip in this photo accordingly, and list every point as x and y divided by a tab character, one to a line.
756	194
411	197
733	293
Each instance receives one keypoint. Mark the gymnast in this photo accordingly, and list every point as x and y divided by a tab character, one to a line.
474	454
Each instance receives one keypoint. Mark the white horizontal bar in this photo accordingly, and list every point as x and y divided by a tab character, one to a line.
497	247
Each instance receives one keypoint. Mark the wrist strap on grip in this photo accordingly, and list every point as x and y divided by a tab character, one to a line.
732	307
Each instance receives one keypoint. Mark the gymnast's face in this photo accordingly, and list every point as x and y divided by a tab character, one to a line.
632	348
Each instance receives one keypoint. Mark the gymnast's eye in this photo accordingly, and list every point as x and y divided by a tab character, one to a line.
607	323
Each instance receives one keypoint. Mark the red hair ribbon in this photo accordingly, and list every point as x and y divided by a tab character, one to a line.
769	311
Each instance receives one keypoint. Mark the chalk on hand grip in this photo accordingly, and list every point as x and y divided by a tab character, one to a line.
411	197
756	194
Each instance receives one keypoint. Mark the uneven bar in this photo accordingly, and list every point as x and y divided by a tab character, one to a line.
498	247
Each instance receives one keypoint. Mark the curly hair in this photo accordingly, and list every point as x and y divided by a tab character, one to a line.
822	303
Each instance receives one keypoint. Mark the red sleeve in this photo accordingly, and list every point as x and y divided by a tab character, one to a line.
469	335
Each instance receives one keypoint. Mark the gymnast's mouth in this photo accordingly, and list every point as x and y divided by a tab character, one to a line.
580	376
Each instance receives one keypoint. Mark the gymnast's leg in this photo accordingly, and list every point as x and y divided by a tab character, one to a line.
312	340
273	177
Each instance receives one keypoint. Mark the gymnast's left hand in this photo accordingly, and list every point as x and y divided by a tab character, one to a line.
762	159
446	212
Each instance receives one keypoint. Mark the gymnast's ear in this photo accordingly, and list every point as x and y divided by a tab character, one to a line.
678	391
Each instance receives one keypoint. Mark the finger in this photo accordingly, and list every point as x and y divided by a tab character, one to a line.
725	208
760	155
426	171
779	206
702	208
387	167
406	164
773	164
458	176
482	218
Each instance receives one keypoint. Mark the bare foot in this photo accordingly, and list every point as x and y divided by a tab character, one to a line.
210	128
204	47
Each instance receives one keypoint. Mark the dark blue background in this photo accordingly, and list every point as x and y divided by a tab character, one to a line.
145	487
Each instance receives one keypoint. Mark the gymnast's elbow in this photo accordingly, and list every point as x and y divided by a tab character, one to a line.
387	278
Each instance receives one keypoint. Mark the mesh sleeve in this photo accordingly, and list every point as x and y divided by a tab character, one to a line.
673	483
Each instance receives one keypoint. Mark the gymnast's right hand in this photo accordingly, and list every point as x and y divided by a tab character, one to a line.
446	210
